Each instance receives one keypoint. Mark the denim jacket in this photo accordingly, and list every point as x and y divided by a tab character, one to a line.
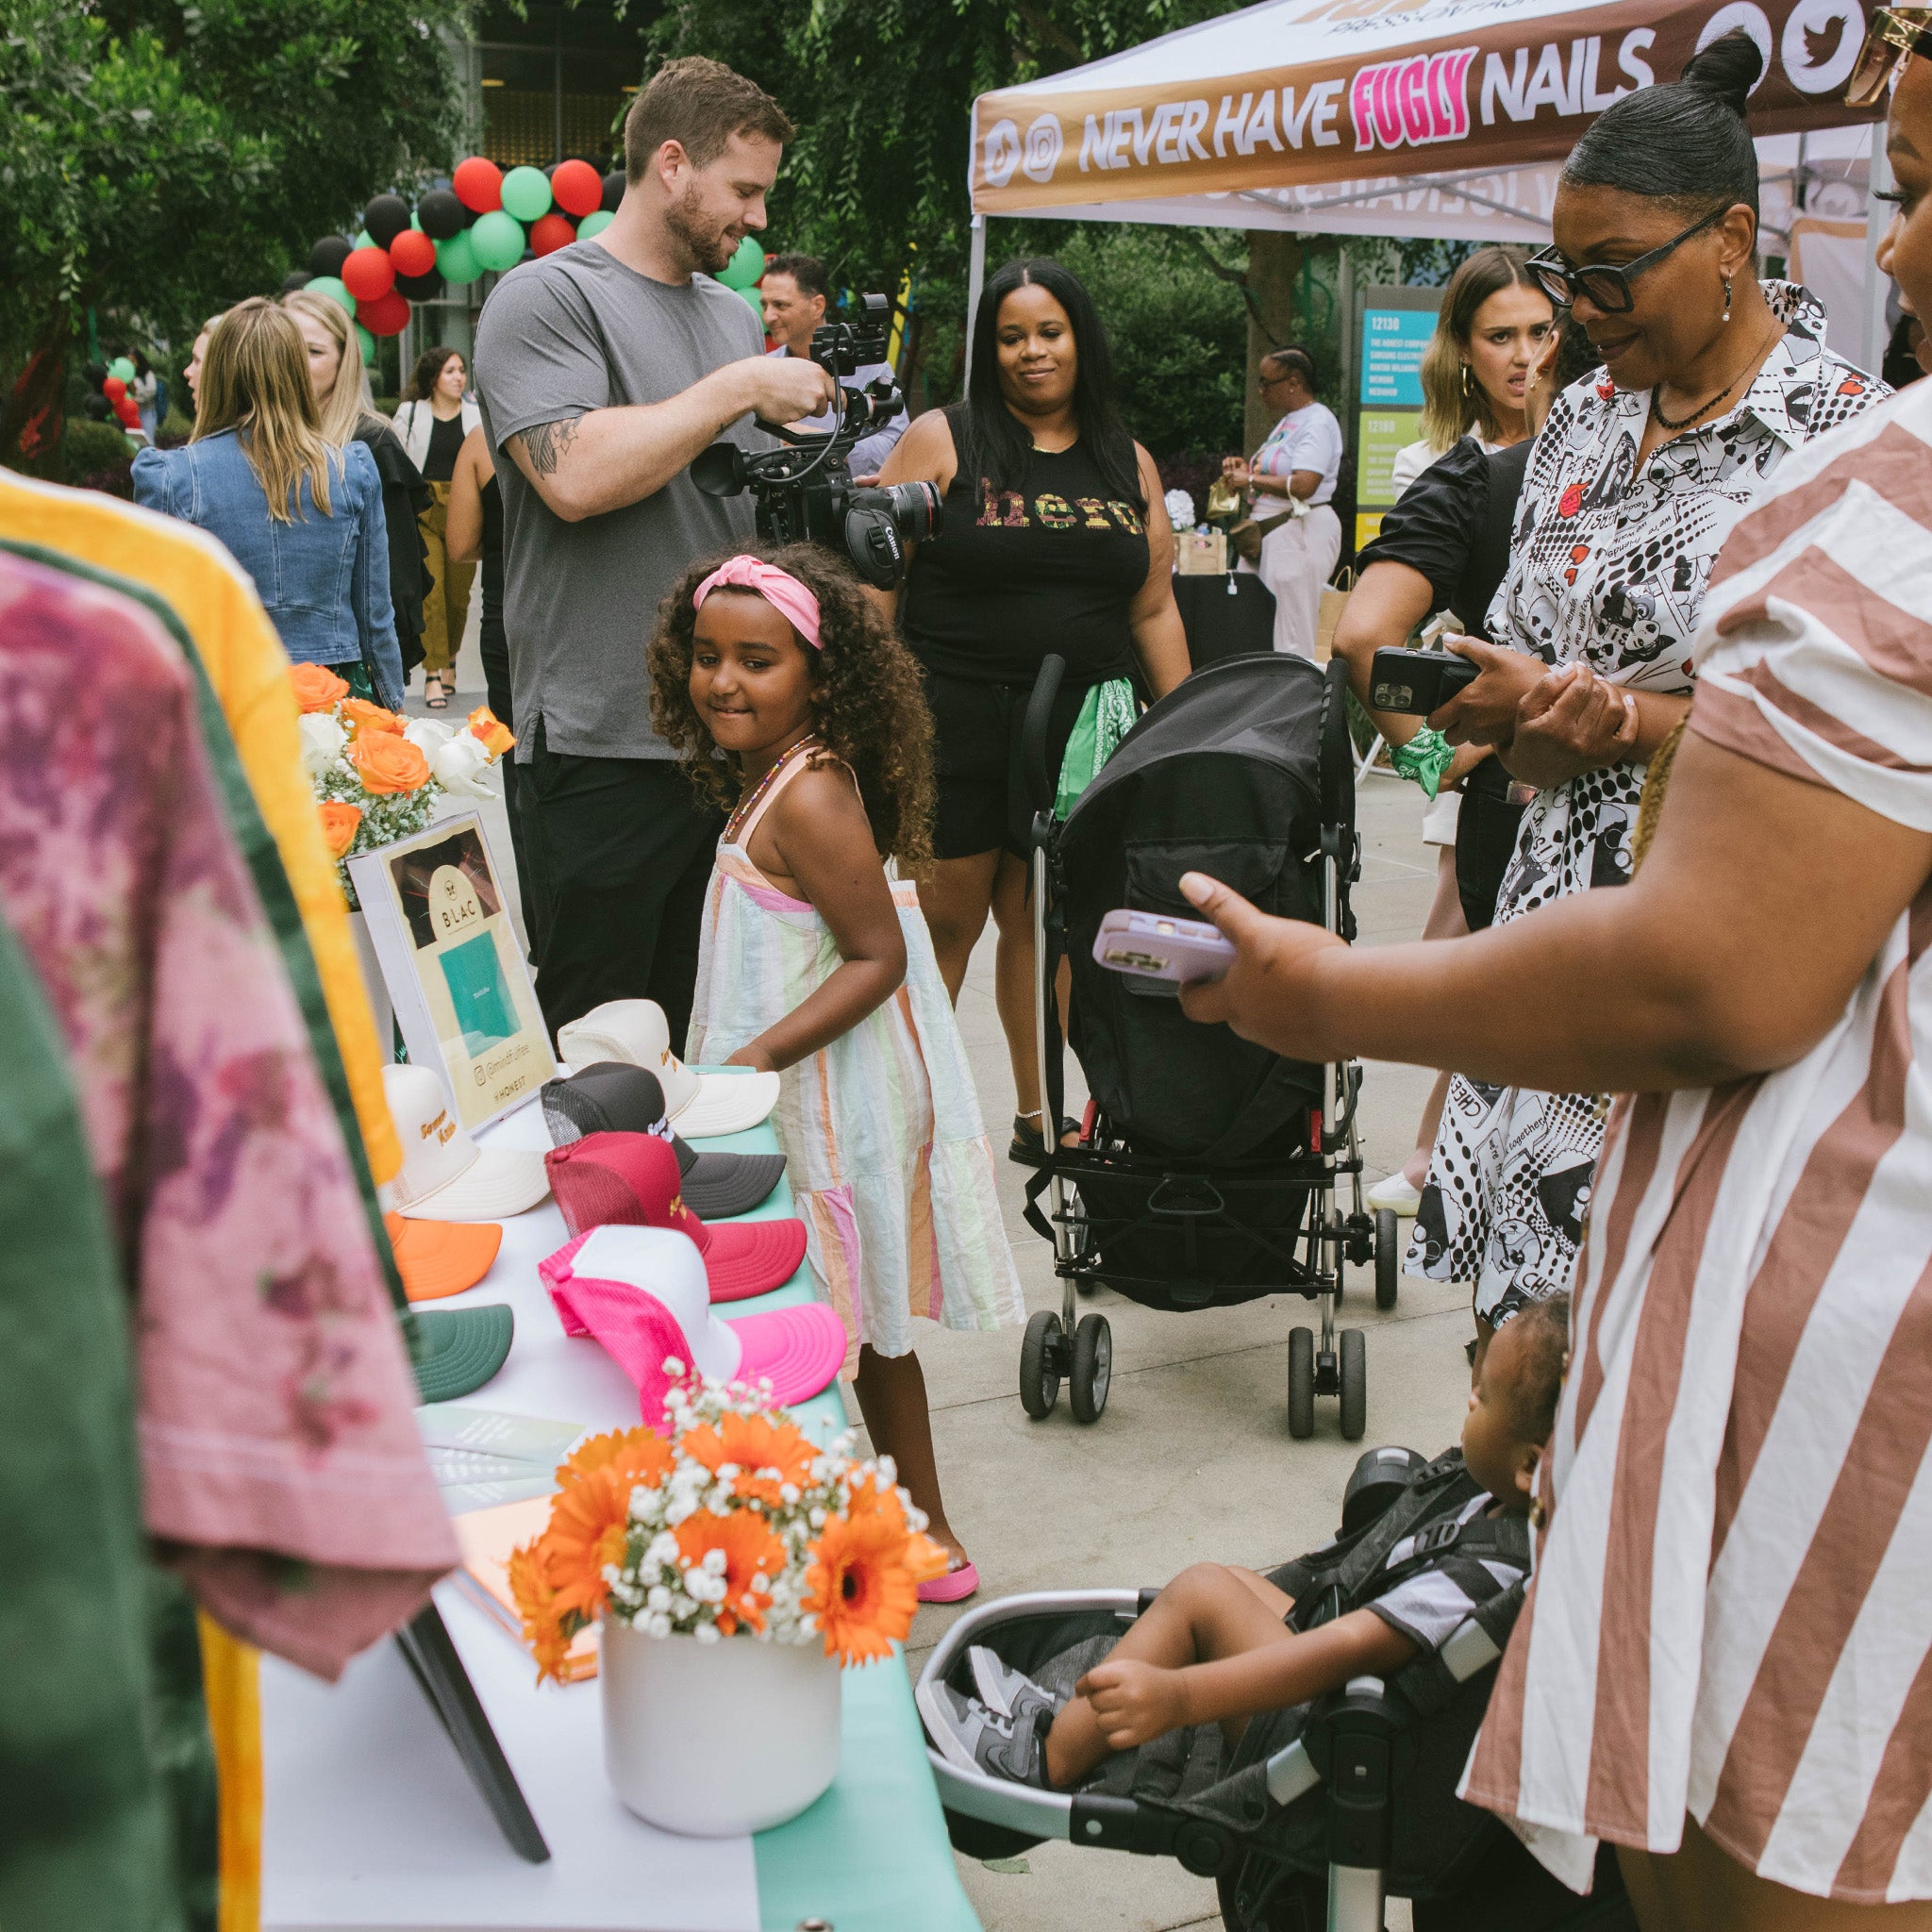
323	581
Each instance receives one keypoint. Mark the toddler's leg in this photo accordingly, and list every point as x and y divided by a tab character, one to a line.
1212	1610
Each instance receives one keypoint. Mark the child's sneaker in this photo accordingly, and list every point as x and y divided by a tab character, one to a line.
1011	1693
977	1738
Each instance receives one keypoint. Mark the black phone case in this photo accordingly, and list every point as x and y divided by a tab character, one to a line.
1415	683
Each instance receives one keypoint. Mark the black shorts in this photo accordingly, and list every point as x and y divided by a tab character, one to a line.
982	802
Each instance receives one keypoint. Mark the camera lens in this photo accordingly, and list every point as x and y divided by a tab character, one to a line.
915	509
879	523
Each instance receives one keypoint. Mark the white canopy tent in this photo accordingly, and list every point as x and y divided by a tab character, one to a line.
1296	114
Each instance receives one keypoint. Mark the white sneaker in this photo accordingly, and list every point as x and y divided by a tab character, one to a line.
1397	1193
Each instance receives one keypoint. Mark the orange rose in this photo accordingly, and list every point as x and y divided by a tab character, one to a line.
317	688
491	731
338	822
360	715
389	763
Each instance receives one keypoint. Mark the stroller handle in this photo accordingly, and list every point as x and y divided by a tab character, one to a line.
1042	785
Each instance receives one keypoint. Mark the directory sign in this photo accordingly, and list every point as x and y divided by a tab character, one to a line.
1393	330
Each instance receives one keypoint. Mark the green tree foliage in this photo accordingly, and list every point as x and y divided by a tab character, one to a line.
160	159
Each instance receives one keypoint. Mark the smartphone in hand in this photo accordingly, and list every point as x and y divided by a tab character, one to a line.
1154	945
1417	682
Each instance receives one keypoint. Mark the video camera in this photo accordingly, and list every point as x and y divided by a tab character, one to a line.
805	489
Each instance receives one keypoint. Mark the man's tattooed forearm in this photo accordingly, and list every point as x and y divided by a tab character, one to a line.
548	443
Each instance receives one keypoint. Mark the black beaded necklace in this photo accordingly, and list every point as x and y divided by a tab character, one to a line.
1674	424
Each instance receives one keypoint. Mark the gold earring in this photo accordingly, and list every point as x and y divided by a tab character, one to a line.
1468	381
1537	1512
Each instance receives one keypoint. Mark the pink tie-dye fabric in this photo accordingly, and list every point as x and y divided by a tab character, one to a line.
282	1469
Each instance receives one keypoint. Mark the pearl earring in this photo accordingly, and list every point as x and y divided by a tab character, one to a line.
1727	298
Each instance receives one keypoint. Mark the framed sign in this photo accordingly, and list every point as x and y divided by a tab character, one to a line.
450	960
1394	326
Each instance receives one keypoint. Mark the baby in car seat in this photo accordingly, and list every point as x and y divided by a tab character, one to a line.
1219	1645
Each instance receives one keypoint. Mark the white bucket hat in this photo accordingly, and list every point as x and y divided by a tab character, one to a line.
698	1105
445	1175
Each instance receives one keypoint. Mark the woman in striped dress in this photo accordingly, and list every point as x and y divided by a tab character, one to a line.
1724	1666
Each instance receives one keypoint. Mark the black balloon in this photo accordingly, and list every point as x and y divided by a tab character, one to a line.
298	280
327	257
99	408
442	215
420	287
613	188
96	374
386	217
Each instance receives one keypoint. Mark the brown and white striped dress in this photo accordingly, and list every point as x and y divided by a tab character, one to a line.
1732	1610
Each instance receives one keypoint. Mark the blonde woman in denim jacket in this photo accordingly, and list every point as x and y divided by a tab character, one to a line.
302	518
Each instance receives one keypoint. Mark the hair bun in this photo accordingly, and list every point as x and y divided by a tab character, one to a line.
1726	70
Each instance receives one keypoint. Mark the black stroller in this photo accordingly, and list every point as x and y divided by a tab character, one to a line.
1324	1811
1207	1168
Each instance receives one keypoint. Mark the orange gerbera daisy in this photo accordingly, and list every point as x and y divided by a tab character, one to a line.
868	1496
535	1601
640	1454
751	1551
859	1588
767	1454
589	1524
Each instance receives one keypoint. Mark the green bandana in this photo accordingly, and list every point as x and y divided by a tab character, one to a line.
1425	758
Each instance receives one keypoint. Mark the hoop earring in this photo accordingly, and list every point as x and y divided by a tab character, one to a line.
1468	382
1727	298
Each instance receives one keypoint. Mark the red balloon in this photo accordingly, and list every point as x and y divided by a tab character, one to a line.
369	273
548	233
113	389
413	253
129	412
577	188
385	316
478	184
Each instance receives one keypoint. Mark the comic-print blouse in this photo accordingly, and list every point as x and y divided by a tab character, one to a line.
1609	563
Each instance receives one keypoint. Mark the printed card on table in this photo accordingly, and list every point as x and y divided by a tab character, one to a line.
453	967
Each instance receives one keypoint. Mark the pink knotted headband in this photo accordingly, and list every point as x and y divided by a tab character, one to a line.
780	589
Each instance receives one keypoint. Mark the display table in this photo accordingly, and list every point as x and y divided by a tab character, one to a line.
369	1821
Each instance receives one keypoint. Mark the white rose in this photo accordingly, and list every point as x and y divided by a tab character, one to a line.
454	767
428	735
323	741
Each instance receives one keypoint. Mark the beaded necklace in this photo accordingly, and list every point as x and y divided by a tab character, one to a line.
749	802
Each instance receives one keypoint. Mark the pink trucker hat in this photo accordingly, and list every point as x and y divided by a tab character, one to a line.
632	1180
641	1293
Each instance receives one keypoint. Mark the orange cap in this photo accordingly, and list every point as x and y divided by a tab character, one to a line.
440	1258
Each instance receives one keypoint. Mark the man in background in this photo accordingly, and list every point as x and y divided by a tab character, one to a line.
603	370
796	292
1294	470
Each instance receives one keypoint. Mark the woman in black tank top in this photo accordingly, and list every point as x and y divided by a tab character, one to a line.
1054	539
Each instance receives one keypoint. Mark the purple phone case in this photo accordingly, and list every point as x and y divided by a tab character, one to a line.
1152	945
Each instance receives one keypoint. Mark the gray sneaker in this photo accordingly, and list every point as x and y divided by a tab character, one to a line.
1013	1695
977	1738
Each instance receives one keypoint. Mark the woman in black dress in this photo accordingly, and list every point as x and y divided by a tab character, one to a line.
1056	539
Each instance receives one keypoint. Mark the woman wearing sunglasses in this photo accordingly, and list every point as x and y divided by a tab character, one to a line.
1724	1666
1710	379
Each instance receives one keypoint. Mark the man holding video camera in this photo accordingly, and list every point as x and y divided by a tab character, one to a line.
603	370
793	295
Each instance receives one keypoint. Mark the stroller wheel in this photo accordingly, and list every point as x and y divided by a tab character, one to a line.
1092	1367
1388	1258
1354	1385
1040	1365
1301	1382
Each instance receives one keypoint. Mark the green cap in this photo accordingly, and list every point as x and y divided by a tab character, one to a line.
457	1350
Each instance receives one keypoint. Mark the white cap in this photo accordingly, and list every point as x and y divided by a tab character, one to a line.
445	1175
667	1264
698	1105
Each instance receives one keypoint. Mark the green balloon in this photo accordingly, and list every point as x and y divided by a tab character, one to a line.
747	266
455	261
756	301
122	366
497	238
364	239
332	287
526	194
368	342
594	223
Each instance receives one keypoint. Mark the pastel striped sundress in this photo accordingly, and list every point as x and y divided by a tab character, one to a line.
888	1158
1732	1611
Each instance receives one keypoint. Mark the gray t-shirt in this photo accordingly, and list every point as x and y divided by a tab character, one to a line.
577	331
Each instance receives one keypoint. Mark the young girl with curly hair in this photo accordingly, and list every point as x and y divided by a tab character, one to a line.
794	705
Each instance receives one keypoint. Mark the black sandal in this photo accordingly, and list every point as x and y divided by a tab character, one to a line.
1027	1141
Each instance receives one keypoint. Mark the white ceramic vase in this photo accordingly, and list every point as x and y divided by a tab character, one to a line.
715	1740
